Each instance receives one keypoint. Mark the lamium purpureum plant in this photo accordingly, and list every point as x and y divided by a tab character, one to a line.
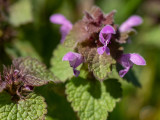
97	36
17	83
93	48
86	61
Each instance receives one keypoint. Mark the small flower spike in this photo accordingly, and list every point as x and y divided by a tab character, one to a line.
130	22
128	60
66	25
104	37
75	60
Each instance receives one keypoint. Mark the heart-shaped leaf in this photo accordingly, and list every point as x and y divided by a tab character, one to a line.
93	99
32	107
61	69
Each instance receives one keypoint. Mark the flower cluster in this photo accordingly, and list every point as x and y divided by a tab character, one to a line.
98	31
12	81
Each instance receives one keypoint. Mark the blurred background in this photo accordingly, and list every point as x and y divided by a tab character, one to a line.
25	30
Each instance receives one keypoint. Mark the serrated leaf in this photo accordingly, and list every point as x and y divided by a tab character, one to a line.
99	64
21	12
61	69
58	107
31	108
36	73
93	99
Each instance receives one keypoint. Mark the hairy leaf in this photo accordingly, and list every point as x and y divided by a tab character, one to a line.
58	107
36	73
93	99
31	108
61	69
99	64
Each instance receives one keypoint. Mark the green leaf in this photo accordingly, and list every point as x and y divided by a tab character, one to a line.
20	12
36	72
58	107
31	108
99	64
61	69
93	99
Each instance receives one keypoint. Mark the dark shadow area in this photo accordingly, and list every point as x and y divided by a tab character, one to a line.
94	86
130	76
113	87
4	58
58	106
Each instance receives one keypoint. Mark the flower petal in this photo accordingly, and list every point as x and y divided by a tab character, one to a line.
124	60
131	22
64	32
107	31
137	59
70	56
66	25
135	20
127	61
123	72
74	59
79	60
107	50
76	72
101	50
58	19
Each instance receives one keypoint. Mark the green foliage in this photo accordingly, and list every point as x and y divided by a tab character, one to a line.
36	72
58	107
93	99
32	107
20	12
41	37
100	65
61	69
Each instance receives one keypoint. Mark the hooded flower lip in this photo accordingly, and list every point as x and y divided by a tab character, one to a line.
104	37
75	60
128	60
66	25
131	22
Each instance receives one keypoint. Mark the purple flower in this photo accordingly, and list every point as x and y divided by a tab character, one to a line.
104	37
66	25
75	60
131	22
128	60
